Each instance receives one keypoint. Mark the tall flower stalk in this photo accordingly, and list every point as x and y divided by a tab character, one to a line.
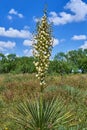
43	42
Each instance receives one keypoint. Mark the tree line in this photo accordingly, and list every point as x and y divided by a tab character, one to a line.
74	61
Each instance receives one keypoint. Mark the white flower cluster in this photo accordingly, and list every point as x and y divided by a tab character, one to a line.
42	49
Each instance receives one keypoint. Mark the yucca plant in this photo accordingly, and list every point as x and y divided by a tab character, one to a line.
41	114
44	115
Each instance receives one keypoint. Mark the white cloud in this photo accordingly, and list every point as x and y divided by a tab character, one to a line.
84	46
20	15
6	45
14	12
9	17
28	52
79	8
62	18
26	27
78	13
79	37
27	43
54	14
36	19
15	33
55	42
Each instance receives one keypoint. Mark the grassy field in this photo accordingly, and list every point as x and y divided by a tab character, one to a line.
72	89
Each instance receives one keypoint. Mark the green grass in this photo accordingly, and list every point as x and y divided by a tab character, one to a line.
15	88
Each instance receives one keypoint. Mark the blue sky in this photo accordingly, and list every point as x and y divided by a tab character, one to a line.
18	21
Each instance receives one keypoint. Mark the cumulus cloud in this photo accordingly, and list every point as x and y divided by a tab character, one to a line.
79	8
78	13
27	43
6	45
9	17
62	18
14	33
28	52
14	12
84	46
55	42
79	37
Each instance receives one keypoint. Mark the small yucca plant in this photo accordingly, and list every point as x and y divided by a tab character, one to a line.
44	115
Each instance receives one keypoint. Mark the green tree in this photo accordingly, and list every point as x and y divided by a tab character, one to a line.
60	56
83	65
27	65
60	67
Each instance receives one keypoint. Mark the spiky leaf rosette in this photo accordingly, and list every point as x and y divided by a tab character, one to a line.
43	48
44	115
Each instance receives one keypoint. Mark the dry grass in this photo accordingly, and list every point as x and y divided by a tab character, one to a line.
14	88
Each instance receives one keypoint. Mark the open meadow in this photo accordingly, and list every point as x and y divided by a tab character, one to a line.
43	65
71	89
